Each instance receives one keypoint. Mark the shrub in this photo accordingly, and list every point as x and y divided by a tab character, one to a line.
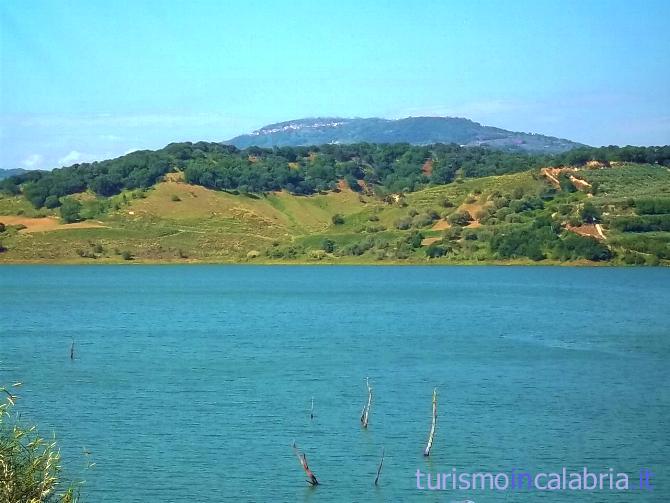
633	258
652	206
470	235
445	203
414	239
403	224
126	255
358	248
29	465
412	212
646	223
375	228
373	218
501	202
461	218
434	215
337	219
175	198
422	220
52	202
97	248
453	233
573	246
70	210
3	228
328	245
589	213
566	184
434	251
517	193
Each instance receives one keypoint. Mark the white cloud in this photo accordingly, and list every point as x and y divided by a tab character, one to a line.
70	158
33	161
74	156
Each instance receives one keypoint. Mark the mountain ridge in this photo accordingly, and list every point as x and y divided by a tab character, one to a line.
7	173
423	130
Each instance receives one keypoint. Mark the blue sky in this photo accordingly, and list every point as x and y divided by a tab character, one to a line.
85	80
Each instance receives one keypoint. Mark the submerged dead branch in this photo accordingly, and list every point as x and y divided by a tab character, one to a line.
311	478
379	470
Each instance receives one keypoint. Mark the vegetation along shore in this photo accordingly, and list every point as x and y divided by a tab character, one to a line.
344	204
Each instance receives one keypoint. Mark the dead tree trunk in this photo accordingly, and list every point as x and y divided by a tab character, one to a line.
311	478
433	424
365	414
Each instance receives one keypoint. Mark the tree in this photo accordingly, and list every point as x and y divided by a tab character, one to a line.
403	223
2	228
352	183
434	251
328	245
566	184
415	239
70	210
589	213
337	219
52	202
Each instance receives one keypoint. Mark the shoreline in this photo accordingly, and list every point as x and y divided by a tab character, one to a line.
376	263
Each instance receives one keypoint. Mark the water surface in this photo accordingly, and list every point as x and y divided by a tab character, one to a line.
190	383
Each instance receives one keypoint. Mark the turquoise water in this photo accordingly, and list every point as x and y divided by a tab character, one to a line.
190	383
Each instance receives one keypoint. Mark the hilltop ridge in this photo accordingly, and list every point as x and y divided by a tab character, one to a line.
414	130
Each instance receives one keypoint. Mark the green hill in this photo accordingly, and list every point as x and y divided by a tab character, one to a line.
386	205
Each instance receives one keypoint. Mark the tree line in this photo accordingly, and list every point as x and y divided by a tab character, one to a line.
381	168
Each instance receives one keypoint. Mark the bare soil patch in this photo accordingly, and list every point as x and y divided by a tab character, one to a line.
429	241
45	224
440	225
590	230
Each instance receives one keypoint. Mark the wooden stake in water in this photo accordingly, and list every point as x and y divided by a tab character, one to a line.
72	350
433	424
311	411
365	414
311	480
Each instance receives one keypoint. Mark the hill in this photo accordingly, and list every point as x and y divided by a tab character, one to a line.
6	173
414	130
590	212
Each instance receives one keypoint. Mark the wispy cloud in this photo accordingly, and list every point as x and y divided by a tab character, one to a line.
110	137
33	161
74	156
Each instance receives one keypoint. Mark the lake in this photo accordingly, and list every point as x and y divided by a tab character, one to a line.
190	383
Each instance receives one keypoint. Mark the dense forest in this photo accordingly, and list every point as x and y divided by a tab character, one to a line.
378	168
